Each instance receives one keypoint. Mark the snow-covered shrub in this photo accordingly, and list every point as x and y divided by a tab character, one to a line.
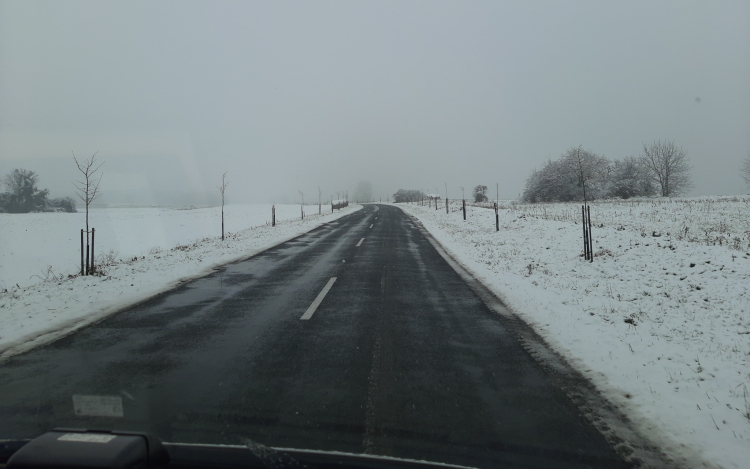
62	204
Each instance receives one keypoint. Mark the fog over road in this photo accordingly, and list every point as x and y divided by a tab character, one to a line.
357	336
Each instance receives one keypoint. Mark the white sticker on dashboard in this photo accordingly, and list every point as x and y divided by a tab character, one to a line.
87	437
97	406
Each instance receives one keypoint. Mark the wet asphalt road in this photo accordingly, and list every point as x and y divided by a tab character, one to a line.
401	358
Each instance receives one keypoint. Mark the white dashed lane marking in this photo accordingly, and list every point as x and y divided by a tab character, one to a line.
360	242
311	310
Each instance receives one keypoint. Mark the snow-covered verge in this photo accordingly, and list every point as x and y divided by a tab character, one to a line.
659	322
59	304
37	245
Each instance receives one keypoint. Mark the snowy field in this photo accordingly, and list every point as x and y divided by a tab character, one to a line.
660	321
35	242
153	250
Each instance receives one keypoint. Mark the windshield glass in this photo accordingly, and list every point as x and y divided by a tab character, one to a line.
474	233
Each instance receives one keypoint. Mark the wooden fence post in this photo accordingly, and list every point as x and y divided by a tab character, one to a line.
497	219
585	235
273	215
464	207
87	253
591	239
83	272
93	232
446	205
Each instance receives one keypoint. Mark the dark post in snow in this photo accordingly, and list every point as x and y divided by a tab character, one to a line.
446	197
585	234
273	215
83	272
87	256
93	232
436	204
464	207
497	219
591	239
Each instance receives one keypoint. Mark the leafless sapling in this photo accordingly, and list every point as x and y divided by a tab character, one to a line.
222	188
88	191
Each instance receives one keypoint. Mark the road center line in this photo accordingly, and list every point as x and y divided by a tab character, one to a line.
370	226
319	299
360	241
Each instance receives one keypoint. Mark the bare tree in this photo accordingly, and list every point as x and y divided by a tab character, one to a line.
578	168
480	194
630	178
745	169
669	167
222	188
583	169
88	189
23	195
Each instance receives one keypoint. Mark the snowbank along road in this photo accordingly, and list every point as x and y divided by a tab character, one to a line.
358	336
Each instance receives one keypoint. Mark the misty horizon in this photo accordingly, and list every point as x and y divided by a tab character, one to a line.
289	97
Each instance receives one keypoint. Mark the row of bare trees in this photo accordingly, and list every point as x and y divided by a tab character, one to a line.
662	168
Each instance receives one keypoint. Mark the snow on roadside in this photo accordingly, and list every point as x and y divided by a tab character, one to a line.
660	321
34	243
48	309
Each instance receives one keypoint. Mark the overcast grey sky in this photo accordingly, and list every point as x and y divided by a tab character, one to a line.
294	95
